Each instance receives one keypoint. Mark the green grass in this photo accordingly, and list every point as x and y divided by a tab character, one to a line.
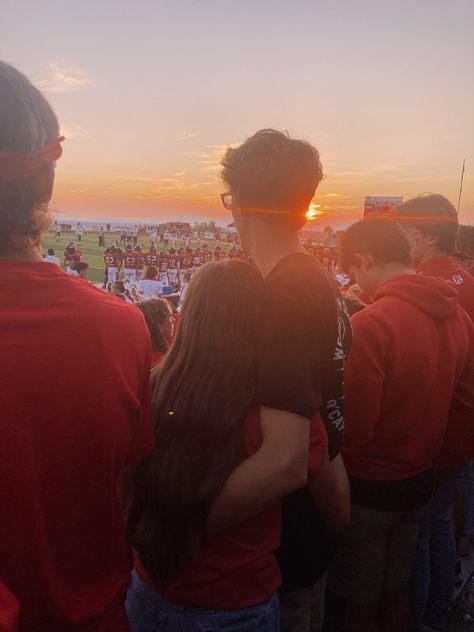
93	255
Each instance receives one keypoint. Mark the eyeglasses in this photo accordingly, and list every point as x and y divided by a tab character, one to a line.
227	200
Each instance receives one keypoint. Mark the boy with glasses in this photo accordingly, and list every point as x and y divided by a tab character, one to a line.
304	337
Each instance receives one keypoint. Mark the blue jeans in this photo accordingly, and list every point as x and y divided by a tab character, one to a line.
148	611
432	581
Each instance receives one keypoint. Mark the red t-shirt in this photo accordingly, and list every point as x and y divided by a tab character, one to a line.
75	409
237	567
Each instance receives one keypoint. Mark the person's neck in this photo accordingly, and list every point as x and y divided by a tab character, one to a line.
269	246
432	253
389	270
32	253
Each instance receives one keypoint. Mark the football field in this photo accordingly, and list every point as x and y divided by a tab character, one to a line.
94	256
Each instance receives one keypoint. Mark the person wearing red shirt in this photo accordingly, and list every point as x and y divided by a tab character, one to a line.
186	262
180	256
219	254
430	222
139	263
172	267
112	260
197	259
160	323
75	400
72	256
207	255
151	257
183	570
410	372
163	265
129	260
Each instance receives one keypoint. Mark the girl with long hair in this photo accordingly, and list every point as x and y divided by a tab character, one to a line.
160	323
205	425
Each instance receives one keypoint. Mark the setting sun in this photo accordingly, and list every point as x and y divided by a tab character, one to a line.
314	211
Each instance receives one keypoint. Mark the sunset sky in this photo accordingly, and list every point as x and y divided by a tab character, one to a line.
150	93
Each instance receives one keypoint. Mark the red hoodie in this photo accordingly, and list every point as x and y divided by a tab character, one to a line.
411	350
449	269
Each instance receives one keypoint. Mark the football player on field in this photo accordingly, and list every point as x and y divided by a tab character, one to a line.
151	257
72	256
129	263
112	260
172	267
163	265
140	262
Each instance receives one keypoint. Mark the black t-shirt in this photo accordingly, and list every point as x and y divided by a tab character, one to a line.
305	336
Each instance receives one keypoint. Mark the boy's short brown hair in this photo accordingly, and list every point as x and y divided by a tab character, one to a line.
381	238
432	214
271	171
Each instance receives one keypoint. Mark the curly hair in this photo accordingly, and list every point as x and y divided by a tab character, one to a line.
156	311
272	171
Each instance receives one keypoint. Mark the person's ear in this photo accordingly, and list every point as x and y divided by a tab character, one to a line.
43	185
431	240
364	261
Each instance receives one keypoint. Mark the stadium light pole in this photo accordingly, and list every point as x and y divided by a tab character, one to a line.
460	185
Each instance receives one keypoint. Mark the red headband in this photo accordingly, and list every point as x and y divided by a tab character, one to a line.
17	168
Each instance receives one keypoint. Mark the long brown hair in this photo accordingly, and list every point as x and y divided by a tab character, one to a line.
156	311
201	395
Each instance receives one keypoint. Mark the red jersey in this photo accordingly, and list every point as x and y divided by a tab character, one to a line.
207	257
163	264
63	551
186	261
197	260
140	262
173	262
112	259
219	255
151	259
71	259
130	260
236	567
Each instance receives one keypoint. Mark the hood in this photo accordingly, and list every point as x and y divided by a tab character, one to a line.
440	266
432	296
